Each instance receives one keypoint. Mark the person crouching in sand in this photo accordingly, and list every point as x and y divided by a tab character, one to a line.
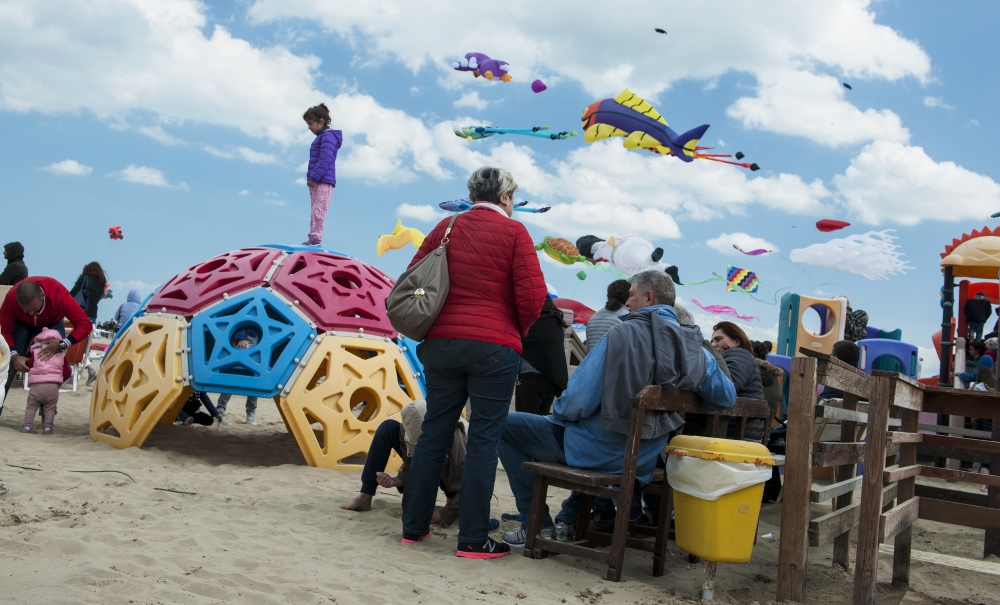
402	437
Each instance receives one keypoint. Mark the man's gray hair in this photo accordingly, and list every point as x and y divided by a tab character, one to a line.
489	184
28	292
657	281
683	315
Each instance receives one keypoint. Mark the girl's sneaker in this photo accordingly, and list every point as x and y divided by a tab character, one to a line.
483	550
311	242
48	432
26	429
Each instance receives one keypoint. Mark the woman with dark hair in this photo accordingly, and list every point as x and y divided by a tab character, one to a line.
88	292
733	344
543	374
473	352
976	357
770	375
610	316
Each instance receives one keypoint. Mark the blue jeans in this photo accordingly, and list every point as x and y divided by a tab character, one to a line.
224	401
489	382
22	337
529	437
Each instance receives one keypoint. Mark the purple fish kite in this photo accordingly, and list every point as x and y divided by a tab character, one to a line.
722	310
756	252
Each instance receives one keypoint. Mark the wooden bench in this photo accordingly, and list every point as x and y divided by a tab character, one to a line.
621	487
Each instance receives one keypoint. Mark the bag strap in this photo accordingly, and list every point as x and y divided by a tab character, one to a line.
444	240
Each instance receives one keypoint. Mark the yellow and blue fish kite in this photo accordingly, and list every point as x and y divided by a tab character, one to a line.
400	237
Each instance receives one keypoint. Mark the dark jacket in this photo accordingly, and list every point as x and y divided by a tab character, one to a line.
497	288
545	348
92	290
323	156
978	310
15	270
745	372
770	378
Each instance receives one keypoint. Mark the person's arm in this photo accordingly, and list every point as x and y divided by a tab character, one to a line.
8	274
4	366
582	397
327	155
716	390
7	319
77	286
529	283
207	402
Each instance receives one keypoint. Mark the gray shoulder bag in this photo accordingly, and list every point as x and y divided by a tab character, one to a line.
420	292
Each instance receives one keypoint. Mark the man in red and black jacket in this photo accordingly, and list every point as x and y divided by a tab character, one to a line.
36	303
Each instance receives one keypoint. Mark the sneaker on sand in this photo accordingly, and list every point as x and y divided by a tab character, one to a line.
225	419
413	538
565	532
251	418
519	536
26	429
48	432
91	376
494	524
483	550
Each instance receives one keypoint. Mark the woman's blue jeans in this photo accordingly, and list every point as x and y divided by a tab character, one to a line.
489	383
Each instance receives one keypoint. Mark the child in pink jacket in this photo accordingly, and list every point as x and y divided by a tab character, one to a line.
44	379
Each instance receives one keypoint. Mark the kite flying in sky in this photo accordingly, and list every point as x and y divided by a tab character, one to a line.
400	237
872	255
756	252
481	65
631	117
538	86
463	205
471	133
722	310
827	225
115	232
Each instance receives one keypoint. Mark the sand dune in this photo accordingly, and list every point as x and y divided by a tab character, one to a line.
262	527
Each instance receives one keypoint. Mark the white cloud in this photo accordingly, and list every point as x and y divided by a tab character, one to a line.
69	167
276	202
936	102
301	181
144	175
427	214
122	288
244	192
769	39
973	122
471	99
158	134
899	183
255	157
219	153
724	243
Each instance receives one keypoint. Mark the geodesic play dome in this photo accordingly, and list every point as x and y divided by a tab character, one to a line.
319	342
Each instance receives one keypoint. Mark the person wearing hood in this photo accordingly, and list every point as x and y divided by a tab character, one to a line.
44	378
977	311
401	437
543	372
15	270
128	308
589	424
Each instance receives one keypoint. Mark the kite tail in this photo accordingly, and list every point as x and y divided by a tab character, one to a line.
775	298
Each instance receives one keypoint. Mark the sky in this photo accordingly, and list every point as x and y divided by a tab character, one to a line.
181	121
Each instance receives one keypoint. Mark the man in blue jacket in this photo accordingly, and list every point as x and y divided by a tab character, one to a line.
589	422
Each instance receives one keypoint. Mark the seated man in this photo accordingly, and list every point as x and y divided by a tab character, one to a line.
589	422
402	437
36	303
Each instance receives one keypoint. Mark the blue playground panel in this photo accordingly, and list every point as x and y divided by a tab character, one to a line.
261	370
410	353
128	323
291	249
905	353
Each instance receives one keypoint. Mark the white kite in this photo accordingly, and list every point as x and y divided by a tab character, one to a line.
871	255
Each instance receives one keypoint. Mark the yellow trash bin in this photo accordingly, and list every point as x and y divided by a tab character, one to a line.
718	484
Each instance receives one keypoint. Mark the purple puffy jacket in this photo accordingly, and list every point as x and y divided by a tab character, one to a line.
323	157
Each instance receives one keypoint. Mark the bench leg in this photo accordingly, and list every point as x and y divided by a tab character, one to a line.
536	516
586	512
617	554
662	530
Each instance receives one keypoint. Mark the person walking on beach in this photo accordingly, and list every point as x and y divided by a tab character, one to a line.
322	175
44	378
473	351
88	292
15	270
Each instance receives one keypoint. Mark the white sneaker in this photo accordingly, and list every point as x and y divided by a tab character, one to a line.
251	418
519	536
225	419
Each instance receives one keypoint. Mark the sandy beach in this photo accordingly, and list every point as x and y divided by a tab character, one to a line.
262	527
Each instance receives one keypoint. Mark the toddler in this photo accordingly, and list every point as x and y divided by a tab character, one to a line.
44	379
322	175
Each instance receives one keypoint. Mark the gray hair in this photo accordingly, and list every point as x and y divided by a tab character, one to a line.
683	315
489	184
657	281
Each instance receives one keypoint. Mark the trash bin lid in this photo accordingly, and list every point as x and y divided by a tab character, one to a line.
726	450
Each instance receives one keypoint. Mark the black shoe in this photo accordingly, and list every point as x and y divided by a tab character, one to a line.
483	550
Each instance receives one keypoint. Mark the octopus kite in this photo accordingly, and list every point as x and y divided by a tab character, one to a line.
631	117
481	65
115	232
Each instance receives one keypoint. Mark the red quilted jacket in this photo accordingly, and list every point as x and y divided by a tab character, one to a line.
497	287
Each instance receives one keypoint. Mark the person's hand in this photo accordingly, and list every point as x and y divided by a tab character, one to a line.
310	183
49	348
21	364
387	480
243	344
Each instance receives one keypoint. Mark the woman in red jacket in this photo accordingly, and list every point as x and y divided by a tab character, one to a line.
473	351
